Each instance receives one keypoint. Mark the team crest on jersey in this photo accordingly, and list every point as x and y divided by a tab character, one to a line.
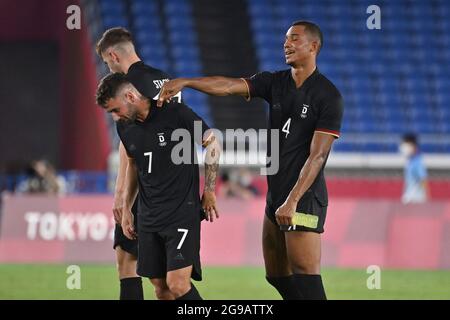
304	111
162	140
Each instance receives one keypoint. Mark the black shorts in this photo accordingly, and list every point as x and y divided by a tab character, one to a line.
310	214
130	246
175	247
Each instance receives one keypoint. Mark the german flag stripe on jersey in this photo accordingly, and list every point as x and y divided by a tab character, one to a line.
327	131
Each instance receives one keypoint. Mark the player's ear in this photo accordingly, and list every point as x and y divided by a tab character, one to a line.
129	96
114	56
314	46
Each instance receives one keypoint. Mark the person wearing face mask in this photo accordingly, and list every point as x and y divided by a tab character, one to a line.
415	189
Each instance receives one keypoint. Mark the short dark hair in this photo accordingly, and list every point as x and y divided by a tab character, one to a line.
112	37
313	29
410	138
108	87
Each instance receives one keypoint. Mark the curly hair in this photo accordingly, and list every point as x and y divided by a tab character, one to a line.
108	87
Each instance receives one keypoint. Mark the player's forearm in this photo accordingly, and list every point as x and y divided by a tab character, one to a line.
306	177
211	166
123	162
130	185
217	85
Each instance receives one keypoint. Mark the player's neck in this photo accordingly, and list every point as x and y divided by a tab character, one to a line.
144	111
129	62
302	71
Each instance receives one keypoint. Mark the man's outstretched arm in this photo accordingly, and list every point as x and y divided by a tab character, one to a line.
217	86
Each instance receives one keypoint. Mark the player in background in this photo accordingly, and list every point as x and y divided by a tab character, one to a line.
307	109
117	50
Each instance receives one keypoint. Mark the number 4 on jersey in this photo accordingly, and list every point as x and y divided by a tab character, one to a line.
286	127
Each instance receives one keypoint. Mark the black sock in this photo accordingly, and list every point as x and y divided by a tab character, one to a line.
131	289
286	287
311	286
191	294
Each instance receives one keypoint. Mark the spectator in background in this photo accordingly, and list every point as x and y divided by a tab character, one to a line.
415	188
239	184
42	178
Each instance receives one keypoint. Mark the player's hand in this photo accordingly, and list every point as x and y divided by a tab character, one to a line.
285	213
117	207
210	206
170	89
128	224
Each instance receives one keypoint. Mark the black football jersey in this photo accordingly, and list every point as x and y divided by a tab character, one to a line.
297	113
148	80
168	189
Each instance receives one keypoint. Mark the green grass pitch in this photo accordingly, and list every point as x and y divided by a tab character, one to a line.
100	282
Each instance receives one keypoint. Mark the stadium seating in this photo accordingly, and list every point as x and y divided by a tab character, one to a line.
391	83
165	39
184	51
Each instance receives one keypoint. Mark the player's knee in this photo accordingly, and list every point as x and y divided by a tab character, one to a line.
126	267
306	267
179	287
163	293
127	270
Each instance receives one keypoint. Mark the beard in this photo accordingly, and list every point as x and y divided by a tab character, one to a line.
131	115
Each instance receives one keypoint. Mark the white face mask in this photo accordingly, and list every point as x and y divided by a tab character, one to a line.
245	180
406	149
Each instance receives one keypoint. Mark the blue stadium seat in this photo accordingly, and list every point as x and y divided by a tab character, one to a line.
391	83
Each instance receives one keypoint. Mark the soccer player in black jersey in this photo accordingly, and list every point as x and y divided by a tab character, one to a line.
307	109
167	177
116	49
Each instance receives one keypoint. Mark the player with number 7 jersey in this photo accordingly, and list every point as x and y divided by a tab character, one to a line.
161	146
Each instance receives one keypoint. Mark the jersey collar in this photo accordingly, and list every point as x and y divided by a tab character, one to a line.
307	81
135	65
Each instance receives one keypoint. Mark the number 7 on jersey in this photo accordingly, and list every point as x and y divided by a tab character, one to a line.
185	232
149	154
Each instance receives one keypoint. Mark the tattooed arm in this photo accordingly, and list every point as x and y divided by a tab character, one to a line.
211	169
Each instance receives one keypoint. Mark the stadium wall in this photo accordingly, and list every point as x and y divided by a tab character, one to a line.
84	139
358	232
372	187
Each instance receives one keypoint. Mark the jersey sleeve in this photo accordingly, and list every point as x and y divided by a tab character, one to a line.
191	121
330	116
120	129
260	85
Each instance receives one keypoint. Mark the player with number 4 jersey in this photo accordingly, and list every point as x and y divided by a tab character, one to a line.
306	109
